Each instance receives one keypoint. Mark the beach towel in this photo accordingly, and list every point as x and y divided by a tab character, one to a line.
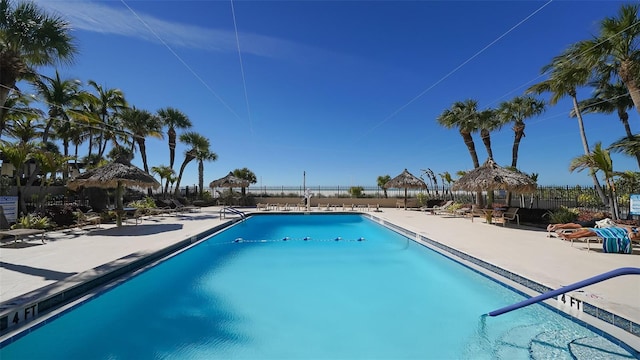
614	240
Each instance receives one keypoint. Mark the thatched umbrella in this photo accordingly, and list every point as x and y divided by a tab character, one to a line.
116	174
229	181
491	176
405	180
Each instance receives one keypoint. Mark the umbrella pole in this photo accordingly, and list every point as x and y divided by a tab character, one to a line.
405	198
119	205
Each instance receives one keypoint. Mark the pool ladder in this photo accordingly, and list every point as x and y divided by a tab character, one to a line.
224	210
566	289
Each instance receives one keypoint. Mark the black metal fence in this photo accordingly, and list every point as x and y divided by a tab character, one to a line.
545	197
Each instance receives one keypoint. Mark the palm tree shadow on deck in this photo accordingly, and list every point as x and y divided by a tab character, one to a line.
135	230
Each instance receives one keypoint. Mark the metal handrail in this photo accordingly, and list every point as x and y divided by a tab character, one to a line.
565	289
224	210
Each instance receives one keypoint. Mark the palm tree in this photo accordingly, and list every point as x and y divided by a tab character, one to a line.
50	163
196	142
17	107
599	160
566	74
164	172
245	174
607	99
173	119
17	154
63	97
628	146
488	122
106	105
383	179
141	123
617	46
47	42
516	111
203	155
464	116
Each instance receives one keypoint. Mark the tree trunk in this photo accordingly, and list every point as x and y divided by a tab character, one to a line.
171	134
200	178
486	140
624	118
518	134
187	159
629	78
468	140
585	144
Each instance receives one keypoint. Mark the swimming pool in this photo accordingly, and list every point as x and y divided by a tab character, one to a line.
320	286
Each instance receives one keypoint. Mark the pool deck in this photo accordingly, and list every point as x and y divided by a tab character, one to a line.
75	255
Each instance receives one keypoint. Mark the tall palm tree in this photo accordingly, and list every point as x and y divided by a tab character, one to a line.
164	172
195	142
464	116
141	124
203	155
173	119
599	160
30	37
617	46
61	96
516	111
381	180
488	121
565	76
107	104
245	174
607	99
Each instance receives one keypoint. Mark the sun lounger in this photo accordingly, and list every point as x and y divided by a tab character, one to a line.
435	209
179	207
20	234
613	239
88	218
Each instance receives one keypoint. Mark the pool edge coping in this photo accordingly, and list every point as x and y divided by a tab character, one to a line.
102	277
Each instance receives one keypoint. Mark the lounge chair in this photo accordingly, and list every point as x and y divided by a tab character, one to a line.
613	239
261	206
509	215
20	234
436	208
88	218
179	207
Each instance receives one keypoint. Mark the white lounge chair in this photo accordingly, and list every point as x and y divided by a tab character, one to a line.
436	209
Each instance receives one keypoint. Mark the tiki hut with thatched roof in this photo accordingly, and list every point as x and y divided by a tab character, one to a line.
491	176
405	180
115	175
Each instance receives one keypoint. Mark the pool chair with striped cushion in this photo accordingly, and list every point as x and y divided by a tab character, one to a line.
613	239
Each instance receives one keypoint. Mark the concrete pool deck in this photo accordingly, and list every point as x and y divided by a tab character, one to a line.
75	255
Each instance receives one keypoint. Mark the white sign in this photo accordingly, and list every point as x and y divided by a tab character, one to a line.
635	204
9	205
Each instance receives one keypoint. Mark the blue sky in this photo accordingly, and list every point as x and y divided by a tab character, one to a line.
344	90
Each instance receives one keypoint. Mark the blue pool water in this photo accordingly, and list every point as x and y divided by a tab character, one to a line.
266	298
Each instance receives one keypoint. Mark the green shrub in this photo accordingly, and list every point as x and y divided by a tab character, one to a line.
562	215
422	199
30	221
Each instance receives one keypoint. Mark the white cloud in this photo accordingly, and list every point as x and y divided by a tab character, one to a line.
95	17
